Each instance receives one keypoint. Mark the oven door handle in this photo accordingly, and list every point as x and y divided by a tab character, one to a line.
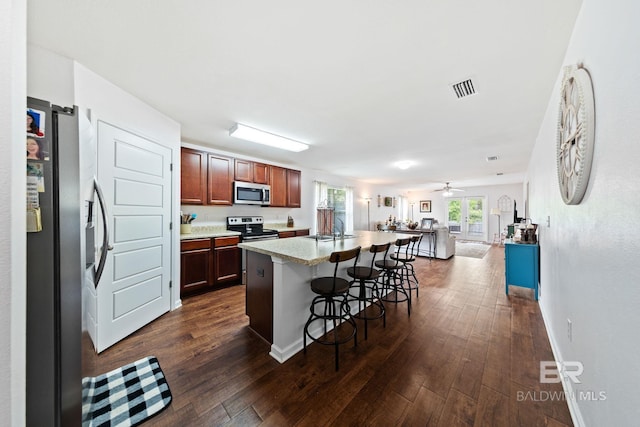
258	238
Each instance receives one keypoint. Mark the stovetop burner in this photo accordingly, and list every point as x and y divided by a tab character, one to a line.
250	227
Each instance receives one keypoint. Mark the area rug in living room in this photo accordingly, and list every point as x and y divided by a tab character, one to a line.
471	249
126	396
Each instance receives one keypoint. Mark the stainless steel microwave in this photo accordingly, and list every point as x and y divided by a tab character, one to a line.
247	193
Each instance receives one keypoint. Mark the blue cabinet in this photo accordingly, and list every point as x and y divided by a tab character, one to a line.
521	266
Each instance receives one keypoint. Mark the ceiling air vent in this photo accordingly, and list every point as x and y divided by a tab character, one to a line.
464	88
492	158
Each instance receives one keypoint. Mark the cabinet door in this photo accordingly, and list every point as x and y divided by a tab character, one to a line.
193	177
286	234
244	170
521	266
259	306
228	264
293	188
220	181
196	266
278	186
260	173
302	232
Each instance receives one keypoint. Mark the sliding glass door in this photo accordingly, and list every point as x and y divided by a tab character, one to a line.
467	217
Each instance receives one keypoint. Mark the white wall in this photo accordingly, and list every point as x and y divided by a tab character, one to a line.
589	255
12	211
49	76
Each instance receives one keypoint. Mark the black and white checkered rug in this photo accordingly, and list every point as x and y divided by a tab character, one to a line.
125	396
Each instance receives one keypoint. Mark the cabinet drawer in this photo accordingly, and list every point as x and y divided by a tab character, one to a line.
226	241
189	245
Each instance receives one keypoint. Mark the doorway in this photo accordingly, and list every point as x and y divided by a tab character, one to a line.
467	217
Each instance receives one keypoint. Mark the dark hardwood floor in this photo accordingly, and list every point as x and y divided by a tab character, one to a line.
466	356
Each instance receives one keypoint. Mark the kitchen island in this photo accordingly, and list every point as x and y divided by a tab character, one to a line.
278	276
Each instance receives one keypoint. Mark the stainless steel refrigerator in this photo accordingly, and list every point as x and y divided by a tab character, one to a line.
54	267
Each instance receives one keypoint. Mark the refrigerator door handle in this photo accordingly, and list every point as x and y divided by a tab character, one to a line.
105	233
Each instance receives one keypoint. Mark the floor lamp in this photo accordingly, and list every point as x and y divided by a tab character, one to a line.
496	211
368	199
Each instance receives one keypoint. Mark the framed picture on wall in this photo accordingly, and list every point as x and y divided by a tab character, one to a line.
425	205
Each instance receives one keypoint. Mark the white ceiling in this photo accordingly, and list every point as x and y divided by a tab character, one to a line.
365	83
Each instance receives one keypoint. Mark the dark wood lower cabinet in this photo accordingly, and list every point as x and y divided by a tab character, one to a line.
292	233
196	266
208	264
260	294
228	260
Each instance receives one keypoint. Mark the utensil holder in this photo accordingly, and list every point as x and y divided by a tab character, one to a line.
185	228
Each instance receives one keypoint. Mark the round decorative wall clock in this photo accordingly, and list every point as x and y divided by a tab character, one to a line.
575	138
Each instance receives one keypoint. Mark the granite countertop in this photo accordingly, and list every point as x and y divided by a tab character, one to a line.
207	231
283	227
308	251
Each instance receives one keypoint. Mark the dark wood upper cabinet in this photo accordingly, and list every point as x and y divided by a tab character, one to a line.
249	171
207	179
244	170
261	173
278	186
220	180
193	177
293	188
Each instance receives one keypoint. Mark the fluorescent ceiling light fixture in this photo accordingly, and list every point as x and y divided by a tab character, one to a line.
404	164
261	137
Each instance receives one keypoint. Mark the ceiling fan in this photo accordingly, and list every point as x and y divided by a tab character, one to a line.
448	190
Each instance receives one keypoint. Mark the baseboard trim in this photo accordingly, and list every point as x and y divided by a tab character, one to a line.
572	403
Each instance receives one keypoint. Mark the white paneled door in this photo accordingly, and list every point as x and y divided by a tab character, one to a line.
135	174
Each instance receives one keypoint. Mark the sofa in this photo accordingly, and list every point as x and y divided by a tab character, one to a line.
445	242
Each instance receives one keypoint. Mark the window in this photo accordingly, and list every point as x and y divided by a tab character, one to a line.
403	209
454	220
337	199
341	200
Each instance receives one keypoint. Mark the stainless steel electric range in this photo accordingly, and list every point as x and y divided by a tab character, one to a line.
251	228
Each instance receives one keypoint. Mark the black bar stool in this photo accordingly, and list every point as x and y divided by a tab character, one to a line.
407	258
392	278
364	289
333	291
